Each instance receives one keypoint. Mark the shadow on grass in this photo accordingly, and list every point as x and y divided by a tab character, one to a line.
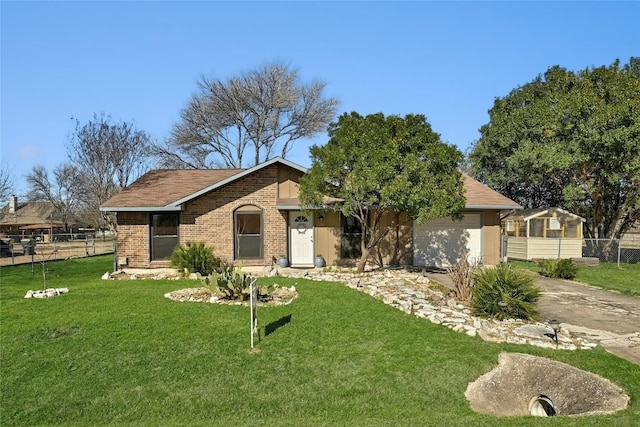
273	326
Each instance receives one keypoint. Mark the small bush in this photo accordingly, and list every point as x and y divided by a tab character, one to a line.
547	267
196	257
504	293
558	269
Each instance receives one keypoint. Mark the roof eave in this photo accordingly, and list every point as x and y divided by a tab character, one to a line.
496	207
168	208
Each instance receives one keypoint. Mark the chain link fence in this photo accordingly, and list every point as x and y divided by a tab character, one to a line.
18	249
620	251
612	250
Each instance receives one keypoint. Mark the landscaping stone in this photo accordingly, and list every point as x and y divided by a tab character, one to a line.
46	293
412	294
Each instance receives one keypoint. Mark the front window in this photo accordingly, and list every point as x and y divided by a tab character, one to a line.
248	233
351	237
164	235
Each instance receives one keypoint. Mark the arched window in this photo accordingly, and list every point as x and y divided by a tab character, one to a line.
248	232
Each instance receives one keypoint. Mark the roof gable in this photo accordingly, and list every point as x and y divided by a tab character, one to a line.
169	189
529	214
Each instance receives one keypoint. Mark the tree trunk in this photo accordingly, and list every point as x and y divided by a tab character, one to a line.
362	262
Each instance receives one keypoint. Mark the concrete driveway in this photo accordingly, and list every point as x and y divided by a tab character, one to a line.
609	318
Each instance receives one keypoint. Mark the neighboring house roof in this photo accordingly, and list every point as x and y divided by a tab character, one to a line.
30	213
169	189
479	196
529	214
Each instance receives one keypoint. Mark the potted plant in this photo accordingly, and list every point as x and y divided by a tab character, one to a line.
319	262
283	262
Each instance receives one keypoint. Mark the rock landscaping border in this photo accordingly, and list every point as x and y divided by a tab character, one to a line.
413	293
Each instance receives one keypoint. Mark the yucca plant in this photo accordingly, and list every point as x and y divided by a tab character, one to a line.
195	257
504	293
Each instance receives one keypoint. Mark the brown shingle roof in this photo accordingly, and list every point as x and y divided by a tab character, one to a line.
161	187
480	196
29	213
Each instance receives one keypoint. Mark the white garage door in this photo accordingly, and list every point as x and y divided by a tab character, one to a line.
441	242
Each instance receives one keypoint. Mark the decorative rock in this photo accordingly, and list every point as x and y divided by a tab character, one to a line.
47	293
406	306
389	299
533	331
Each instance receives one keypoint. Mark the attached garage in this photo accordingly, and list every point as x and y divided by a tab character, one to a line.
441	242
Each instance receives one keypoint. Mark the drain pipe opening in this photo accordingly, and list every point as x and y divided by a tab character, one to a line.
542	406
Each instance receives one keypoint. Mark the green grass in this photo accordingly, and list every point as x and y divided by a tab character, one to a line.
119	353
624	278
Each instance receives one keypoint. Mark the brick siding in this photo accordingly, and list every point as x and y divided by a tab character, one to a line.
209	218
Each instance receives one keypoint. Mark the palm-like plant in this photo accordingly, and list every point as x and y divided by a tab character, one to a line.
196	257
504	293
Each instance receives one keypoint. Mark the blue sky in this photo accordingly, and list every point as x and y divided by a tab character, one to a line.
139	61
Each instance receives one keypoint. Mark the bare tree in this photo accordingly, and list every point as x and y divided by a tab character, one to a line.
264	110
64	192
6	182
109	155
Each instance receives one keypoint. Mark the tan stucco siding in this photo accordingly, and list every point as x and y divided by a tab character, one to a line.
396	247
327	236
492	237
288	182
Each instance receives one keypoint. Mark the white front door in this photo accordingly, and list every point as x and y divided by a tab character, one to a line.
301	238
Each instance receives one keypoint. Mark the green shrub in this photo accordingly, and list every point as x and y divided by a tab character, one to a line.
231	281
547	267
562	269
504	293
196	257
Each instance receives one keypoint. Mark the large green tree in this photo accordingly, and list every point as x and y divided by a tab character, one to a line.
569	139
383	165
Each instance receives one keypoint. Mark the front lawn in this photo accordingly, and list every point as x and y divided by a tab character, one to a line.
624	278
119	353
